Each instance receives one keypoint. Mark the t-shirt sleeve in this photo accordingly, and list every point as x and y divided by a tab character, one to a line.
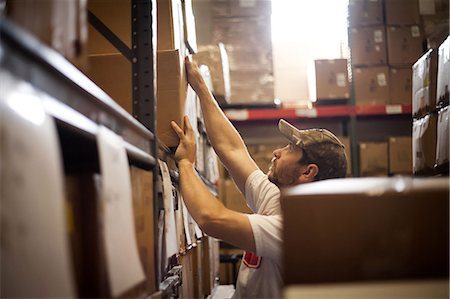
267	231
262	196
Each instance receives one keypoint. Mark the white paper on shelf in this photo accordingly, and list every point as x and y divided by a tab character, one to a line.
123	263
35	258
186	222
170	227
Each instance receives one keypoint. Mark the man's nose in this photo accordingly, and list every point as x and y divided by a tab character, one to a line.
277	152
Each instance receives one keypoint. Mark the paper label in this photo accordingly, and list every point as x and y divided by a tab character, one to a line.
238	114
306	112
247	3
341	80
381	79
123	263
35	253
415	31
394	109
378	36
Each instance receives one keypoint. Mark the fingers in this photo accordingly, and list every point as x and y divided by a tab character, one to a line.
177	129
188	127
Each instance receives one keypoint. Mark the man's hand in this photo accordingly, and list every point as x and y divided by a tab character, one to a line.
186	150
194	75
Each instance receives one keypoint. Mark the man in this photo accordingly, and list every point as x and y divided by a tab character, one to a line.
311	155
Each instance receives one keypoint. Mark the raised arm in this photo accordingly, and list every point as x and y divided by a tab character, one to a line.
209	213
224	138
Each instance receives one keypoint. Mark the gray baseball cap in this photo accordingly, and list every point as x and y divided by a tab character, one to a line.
305	138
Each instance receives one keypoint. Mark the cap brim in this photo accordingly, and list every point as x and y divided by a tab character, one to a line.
289	131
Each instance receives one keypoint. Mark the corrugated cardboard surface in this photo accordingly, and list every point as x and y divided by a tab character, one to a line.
234	200
371	85
400	91
366	229
112	73
117	18
442	147
368	46
365	12
332	79
171	95
443	77
170	26
404	44
373	158
402	12
424	83
424	144
400	155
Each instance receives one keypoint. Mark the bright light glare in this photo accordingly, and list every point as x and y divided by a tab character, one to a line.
27	104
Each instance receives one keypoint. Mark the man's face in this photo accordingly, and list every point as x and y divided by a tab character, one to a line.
285	168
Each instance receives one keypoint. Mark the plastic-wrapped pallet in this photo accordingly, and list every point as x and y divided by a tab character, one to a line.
442	155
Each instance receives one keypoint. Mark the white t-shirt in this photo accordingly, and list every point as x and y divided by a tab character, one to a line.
260	272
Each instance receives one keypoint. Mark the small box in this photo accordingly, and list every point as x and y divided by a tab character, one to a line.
402	12
442	151
373	158
109	69
424	84
171	95
365	12
368	46
443	75
400	92
424	144
331	79
400	155
404	45
371	85
170	25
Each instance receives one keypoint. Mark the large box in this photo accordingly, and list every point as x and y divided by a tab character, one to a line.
234	200
373	158
424	84
443	75
112	73
402	12
400	92
62	25
251	86
170	25
240	8
371	85
331	79
117	18
366	229
442	146
216	58
368	46
171	95
400	155
424	144
365	12
404	44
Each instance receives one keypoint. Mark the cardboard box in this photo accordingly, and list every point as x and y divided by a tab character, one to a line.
234	199
443	132
171	94
142	192
332	79
240	8
400	155
424	144
371	85
379	229
404	45
216	58
402	12
443	76
170	25
188	281
365	12
117	18
249	86
373	158
424	84
61	25
112	73
368	46
400	92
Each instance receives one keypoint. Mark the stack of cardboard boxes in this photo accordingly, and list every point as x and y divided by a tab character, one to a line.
244	27
331	77
430	110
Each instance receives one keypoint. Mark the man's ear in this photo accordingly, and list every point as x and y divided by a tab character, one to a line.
309	173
